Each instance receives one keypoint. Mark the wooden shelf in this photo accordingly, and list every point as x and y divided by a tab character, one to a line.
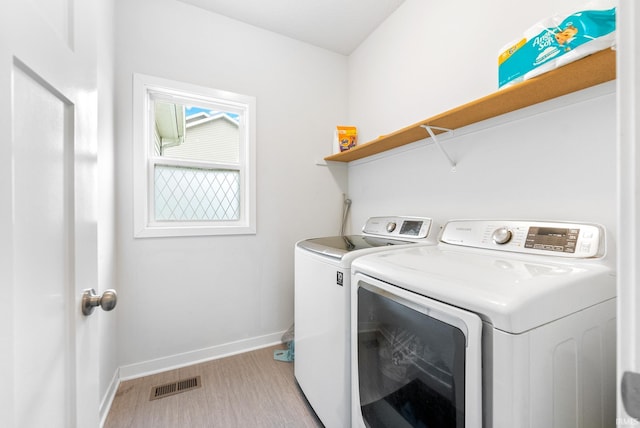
592	70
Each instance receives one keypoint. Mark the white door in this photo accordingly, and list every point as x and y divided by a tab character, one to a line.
48	253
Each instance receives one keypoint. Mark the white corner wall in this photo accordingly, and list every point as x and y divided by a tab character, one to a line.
554	161
185	299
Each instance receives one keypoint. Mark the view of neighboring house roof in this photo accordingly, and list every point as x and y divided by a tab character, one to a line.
172	121
202	117
197	116
210	136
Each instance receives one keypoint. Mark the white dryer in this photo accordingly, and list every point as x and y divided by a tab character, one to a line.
322	305
503	324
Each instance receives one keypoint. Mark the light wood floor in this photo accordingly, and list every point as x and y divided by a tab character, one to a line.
246	390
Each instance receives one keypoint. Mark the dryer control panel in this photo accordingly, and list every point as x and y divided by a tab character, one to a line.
412	228
531	237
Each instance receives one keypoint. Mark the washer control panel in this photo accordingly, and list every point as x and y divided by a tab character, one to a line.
398	227
532	237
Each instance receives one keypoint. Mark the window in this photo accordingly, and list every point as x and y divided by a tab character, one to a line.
194	160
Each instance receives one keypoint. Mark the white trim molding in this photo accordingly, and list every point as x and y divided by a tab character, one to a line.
628	322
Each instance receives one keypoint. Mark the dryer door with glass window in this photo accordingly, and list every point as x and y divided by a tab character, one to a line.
418	360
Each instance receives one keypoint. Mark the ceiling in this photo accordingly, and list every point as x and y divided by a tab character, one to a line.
337	25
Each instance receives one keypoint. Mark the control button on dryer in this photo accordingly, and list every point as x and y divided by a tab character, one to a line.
391	226
502	235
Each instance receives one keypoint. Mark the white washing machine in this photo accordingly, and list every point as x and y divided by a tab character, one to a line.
503	324
322	317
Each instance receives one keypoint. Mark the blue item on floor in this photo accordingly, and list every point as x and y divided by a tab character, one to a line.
286	355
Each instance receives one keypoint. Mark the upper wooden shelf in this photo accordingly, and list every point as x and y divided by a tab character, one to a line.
592	70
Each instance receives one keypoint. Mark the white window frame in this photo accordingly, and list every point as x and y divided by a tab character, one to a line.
144	89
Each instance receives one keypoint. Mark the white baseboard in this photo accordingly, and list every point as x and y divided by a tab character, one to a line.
171	362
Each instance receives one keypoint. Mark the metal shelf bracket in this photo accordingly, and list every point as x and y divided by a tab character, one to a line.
432	134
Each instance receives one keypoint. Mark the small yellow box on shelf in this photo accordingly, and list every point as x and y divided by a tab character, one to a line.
347	137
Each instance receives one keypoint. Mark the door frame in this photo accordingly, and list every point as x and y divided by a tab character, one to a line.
628	265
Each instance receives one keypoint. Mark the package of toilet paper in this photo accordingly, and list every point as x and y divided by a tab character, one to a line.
556	41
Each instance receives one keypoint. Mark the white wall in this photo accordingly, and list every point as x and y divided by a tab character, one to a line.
187	298
555	161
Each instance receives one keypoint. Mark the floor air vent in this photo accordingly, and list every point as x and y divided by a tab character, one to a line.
175	387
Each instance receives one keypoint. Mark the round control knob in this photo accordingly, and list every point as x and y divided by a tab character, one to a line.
391	226
501	235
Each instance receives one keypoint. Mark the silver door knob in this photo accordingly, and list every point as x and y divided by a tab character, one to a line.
90	300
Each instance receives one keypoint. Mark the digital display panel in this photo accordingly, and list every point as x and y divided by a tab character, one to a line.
411	227
552	231
552	239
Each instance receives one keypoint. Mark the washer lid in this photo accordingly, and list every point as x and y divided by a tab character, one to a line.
338	246
513	292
